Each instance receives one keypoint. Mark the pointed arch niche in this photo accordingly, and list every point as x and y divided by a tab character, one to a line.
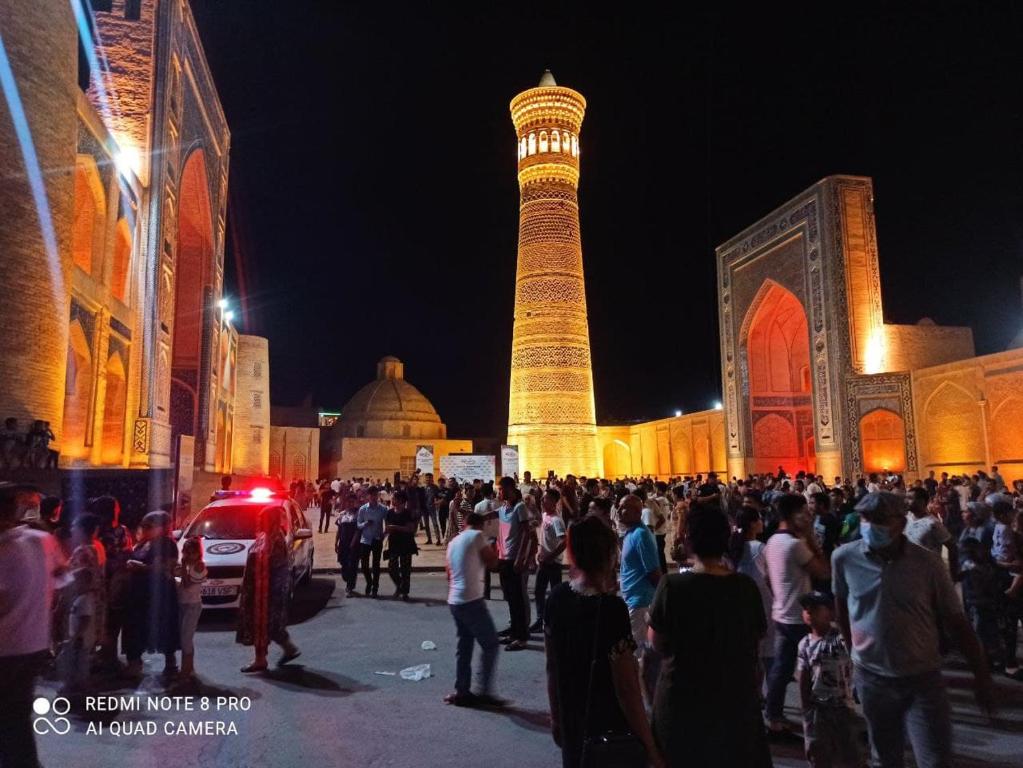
192	276
883	441
776	341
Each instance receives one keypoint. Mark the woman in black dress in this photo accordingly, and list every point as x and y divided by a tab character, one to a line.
707	623
151	610
584	621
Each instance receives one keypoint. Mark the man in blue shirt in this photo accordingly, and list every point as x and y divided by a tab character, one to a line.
641	570
370	522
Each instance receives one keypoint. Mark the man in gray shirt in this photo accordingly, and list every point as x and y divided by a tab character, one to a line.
894	599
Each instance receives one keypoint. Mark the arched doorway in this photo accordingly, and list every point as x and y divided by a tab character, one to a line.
883	441
777	347
113	411
192	296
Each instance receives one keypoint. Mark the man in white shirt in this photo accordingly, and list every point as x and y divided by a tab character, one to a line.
548	554
927	531
468	557
486	508
793	558
31	567
526	486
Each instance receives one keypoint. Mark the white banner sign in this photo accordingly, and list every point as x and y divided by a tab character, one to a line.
509	460
466	467
424	459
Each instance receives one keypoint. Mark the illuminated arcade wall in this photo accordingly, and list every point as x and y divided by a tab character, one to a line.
551	414
683	445
969	415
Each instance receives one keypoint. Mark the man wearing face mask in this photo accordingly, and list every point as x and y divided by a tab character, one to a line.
894	599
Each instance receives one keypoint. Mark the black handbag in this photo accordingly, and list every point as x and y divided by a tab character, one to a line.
608	749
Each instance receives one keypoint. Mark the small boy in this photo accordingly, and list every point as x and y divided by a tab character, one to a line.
824	670
76	654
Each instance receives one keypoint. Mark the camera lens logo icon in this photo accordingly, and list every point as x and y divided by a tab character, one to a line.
57	723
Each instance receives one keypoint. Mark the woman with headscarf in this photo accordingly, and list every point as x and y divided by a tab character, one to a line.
266	589
117	543
151	613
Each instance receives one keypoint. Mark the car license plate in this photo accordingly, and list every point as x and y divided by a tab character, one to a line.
219	591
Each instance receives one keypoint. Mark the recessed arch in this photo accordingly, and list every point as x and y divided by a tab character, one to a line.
1007	433
121	263
953	429
77	391
883	441
114	404
193	277
617	459
775	338
90	216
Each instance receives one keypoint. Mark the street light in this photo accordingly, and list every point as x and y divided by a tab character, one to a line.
222	303
678	413
717	405
229	316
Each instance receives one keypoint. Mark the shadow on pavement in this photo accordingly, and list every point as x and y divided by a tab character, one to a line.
310	599
530	719
317	682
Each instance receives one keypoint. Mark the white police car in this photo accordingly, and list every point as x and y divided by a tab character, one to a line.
227	527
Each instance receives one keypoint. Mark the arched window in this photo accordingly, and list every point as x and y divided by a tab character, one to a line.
555	141
543	141
575	146
532	143
522	148
566	142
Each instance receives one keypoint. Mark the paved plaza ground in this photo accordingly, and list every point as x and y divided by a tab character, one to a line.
330	708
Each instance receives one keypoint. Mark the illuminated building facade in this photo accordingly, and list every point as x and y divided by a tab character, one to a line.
551	414
815	380
118	336
381	426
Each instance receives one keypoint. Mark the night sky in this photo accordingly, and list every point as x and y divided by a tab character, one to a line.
374	206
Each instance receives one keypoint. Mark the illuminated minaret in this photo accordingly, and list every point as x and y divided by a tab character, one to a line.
550	410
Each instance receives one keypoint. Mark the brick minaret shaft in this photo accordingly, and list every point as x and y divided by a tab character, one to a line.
551	415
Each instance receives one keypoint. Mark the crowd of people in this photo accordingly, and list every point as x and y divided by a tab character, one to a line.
848	586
